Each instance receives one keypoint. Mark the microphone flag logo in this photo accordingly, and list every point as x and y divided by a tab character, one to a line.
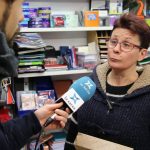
72	99
88	84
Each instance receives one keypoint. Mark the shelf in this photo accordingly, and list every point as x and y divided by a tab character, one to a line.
56	73
66	29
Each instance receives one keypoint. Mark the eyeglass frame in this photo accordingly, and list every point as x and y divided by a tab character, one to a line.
133	45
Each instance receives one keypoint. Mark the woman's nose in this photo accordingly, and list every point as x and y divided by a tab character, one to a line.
117	48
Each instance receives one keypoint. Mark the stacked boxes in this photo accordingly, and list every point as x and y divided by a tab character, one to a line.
40	18
25	8
35	17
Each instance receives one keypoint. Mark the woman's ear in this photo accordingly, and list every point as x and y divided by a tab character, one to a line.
143	54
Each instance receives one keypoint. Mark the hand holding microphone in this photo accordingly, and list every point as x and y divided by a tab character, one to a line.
79	92
47	110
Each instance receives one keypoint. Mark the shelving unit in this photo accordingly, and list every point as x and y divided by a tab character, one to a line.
65	73
60	73
68	29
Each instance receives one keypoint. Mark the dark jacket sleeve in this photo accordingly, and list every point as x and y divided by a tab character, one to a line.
71	135
15	133
8	60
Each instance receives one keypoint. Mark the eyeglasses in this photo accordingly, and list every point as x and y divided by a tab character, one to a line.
125	46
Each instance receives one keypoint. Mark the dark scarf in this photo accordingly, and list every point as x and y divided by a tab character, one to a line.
8	61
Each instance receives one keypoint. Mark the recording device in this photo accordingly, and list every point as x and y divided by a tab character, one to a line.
79	92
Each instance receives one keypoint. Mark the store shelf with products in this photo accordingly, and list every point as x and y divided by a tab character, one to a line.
63	36
56	37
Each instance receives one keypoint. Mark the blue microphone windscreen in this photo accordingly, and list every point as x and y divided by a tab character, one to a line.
85	87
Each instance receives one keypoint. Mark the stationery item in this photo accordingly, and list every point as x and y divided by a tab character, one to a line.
58	21
91	18
71	20
44	96
28	100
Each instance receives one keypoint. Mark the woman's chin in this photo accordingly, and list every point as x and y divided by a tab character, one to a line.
114	65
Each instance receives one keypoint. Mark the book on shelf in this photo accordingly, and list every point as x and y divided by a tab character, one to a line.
30	63
91	18
29	56
30	69
29	40
30	60
56	67
30	51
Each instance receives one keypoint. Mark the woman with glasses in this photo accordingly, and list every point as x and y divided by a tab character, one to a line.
119	111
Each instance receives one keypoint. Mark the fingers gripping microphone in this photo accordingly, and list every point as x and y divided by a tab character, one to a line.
79	92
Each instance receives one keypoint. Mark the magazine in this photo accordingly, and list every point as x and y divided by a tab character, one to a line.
29	40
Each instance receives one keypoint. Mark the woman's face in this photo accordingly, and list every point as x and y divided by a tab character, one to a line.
119	59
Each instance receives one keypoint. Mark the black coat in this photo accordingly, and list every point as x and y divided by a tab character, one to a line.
15	133
128	123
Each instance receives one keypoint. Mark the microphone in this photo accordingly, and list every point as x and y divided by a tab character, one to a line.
79	92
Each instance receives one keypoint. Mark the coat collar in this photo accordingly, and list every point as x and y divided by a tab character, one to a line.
142	81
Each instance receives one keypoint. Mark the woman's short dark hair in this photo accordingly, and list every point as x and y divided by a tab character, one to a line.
136	25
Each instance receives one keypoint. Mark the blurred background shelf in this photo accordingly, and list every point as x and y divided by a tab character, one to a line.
65	74
63	29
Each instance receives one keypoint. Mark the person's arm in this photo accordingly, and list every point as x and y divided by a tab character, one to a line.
15	133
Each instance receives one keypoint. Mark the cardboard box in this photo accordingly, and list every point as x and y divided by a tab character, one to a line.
86	142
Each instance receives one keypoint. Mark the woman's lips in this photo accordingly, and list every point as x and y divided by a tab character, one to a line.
114	59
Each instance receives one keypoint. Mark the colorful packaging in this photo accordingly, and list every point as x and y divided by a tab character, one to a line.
39	23
58	20
44	10
33	12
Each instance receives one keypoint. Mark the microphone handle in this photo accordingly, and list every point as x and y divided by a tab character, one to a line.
49	120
